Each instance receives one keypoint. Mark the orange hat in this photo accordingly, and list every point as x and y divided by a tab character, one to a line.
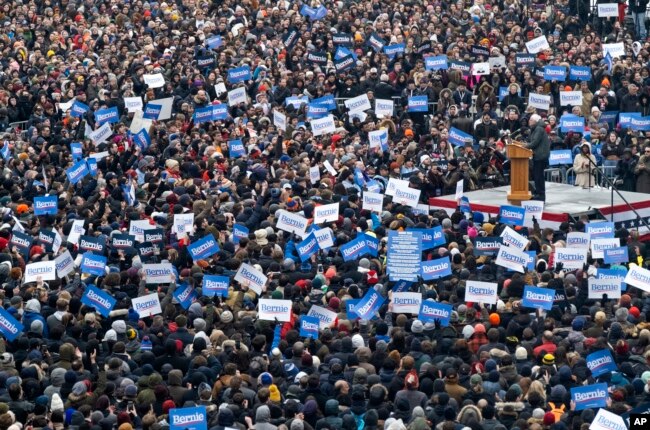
21	209
408	132
495	319
568	88
605	82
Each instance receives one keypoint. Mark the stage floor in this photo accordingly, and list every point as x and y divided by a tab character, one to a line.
562	200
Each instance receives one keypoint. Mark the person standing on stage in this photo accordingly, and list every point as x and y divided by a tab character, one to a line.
584	166
541	147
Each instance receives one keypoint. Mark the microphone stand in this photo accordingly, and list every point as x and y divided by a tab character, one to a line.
613	188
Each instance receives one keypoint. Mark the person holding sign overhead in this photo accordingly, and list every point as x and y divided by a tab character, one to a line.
541	147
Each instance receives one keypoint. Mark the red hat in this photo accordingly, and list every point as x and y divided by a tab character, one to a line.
167	404
3	243
549	419
335	303
372	277
336	138
635	312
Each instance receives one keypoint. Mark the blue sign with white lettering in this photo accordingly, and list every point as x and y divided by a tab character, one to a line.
215	285
98	299
538	298
555	73
513	215
307	247
354	249
10	327
236	148
214	42
239	74
93	264
590	396
327	101
77	172
395	49
195	418
580	73
309	326
76	150
402	286
464	205
369	304
78	109
152	111
47	205
616	255
418	104
435	269
601	362
569	122
239	231
109	115
459	138
203	248
430	311
487	245
185	295
350	304
21	241
560	156
438	62
600	230
618	274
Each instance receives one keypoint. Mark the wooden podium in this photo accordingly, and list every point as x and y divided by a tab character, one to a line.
519	156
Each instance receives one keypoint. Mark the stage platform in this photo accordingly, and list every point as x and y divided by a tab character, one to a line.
563	203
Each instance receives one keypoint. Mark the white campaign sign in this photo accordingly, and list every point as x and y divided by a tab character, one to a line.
220	88
183	224
373	202
514	239
252	277
160	273
571	258
64	264
638	277
271	309
607	10
460	186
166	105
324	237
481	292
480	69
406	196
330	169
393	184
147	306
615	49
512	258
139	122
133	104
323	125
605	420
291	223
598	287
280	120
406	303
156	80
538	44
570	98
534	208
236	96
598	246
576	239
45	269
137	228
539	101
58	240
326	213
101	134
314	174
76	230
384	108
325	316
358	104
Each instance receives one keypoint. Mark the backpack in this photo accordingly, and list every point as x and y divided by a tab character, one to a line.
557	410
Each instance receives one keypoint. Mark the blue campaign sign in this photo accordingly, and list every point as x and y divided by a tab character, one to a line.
590	396
309	326
239	74
317	111
109	115
616	255
78	109
236	148
601	362
618	274
344	63
307	247
46	238
532	255
569	122
431	237
372	244
353	249
376	42
77	150
580	73
77	172
204	114
486	245
21	241
10	327
214	42
404	255
437	62
538	298
350	304
513	215
464	205
185	295
47	205
625	118
152	111
142	139
91	163
98	299
195	418
640	124
608	117
459	138
327	101
215	285
418	104
600	230
555	73
430	311
342	51
219	112
123	241
369	304
402	286
561	156
92	244
203	248
393	50
93	264
435	269
239	231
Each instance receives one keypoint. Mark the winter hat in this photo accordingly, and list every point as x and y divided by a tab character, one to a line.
274	394
521	353
549	419
635	312
417	326
495	319
548	359
226	317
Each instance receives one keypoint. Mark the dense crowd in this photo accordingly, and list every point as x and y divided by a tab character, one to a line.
190	141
